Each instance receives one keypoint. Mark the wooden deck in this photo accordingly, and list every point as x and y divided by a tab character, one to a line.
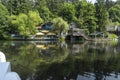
76	34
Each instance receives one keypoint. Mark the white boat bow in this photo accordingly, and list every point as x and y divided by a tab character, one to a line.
5	69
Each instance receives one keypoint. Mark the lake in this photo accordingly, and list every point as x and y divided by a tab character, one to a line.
35	60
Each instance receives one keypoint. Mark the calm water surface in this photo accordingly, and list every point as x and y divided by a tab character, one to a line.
64	61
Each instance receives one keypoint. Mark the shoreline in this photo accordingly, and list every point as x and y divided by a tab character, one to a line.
104	39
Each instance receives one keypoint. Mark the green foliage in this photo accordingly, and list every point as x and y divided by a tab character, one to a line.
112	36
92	17
54	5
45	14
117	1
18	6
25	6
44	11
59	26
85	13
109	4
3	21
33	20
102	15
67	12
114	13
12	24
26	24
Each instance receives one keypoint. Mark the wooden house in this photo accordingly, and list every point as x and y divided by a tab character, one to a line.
76	34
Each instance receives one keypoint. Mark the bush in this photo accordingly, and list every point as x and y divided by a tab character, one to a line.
112	36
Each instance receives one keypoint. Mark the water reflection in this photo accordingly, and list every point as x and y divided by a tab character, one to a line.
64	61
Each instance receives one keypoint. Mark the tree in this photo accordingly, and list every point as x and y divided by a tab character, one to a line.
55	5
102	15
18	6
33	20
3	21
67	12
11	5
109	4
114	13
90	19
59	26
45	13
25	6
13	29
26	24
85	13
118	1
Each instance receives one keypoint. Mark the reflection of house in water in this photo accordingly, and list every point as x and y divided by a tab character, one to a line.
90	47
44	47
77	47
45	44
103	47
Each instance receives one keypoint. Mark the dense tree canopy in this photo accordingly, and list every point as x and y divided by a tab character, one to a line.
26	24
102	15
67	12
44	11
93	17
3	21
59	26
85	13
18	6
114	13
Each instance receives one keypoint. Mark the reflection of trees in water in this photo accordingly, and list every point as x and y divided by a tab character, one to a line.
54	54
93	47
96	58
21	56
118	46
76	47
56	62
26	57
72	67
53	71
